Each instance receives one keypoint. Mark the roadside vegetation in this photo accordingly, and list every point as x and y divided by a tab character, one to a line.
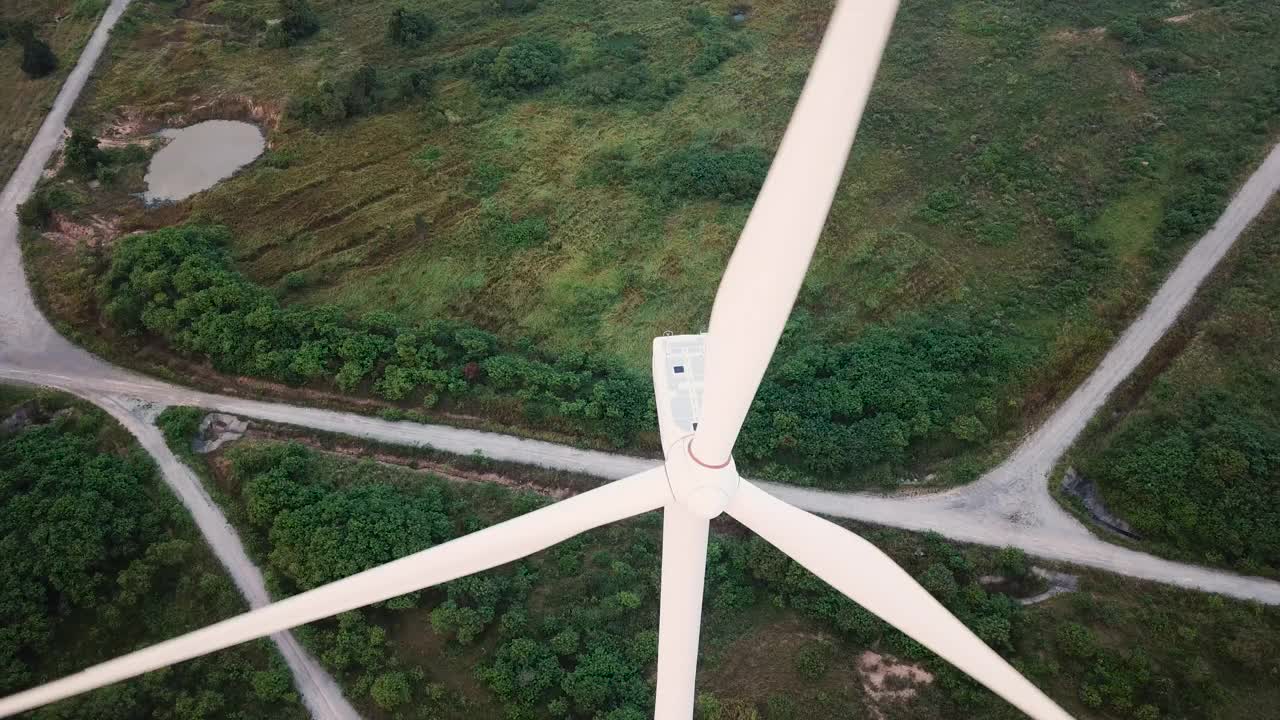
569	179
40	41
100	559
1189	452
777	643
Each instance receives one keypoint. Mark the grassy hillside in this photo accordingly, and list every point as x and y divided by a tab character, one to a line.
571	178
66	26
1190	452
570	632
100	559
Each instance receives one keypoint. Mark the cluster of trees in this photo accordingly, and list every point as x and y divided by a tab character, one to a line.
717	41
101	559
700	170
82	153
615	69
524	65
311	526
1198	477
177	284
298	21
38	209
571	632
365	91
828	408
409	28
836	407
37	59
590	658
619	70
85	159
1193	464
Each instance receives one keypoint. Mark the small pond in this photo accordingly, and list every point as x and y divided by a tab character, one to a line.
200	155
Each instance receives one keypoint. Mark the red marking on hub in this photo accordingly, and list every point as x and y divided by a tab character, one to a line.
708	466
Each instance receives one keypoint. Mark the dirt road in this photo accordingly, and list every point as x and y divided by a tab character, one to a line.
27	340
319	691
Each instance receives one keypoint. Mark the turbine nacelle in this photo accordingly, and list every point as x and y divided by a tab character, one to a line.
679	364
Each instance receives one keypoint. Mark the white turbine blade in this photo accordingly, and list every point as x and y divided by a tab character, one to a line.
861	571
478	551
766	270
684	567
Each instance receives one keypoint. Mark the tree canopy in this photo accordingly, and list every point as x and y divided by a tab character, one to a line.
100	559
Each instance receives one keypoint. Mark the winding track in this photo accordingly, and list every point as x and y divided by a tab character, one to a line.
27	340
1009	506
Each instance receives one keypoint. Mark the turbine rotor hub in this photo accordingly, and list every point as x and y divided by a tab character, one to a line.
704	490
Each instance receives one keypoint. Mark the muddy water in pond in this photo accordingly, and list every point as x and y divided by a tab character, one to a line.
197	157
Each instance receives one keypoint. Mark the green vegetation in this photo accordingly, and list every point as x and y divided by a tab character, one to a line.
297	23
25	99
101	559
38	209
82	153
1190	454
700	171
176	283
38	59
366	91
574	179
410	27
524	65
179	425
827	409
777	643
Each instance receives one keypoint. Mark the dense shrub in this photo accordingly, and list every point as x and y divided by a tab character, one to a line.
179	424
298	22
1199	477
703	171
527	64
619	70
716	41
82	153
38	59
524	233
92	539
834	407
410	27
38	210
366	91
176	283
594	657
827	408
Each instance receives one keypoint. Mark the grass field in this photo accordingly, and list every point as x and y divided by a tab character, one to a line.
66	26
776	644
1189	450
1024	176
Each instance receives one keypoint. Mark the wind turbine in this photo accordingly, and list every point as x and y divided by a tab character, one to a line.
704	386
